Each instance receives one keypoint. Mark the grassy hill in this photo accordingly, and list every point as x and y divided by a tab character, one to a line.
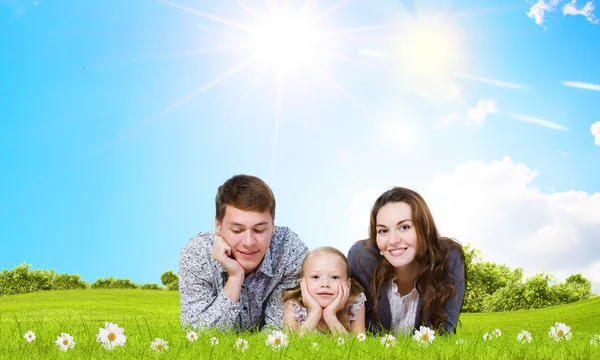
147	314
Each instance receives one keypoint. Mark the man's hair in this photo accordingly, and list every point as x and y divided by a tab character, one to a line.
244	192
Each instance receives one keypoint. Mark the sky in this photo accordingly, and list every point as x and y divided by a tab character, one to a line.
119	120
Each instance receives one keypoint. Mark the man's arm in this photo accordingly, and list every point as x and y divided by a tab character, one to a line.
203	302
452	307
290	279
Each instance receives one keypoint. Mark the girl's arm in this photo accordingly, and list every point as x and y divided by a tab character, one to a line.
289	321
311	323
334	324
330	312
315	312
358	325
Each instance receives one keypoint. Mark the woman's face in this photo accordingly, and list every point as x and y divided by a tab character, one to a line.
396	234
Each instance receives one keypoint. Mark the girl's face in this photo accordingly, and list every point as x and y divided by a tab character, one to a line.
324	273
396	234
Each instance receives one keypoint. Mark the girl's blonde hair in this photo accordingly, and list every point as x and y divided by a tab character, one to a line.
356	289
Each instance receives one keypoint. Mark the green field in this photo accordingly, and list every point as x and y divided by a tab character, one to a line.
147	314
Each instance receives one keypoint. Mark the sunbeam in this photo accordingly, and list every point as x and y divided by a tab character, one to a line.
336	85
205	15
137	127
249	10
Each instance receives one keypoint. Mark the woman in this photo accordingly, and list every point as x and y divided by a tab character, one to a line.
411	274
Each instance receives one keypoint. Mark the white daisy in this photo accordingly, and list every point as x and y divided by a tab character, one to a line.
111	336
595	339
424	336
29	336
560	332
340	341
314	345
241	344
361	337
277	340
497	333
65	342
524	337
388	340
487	336
191	336
213	341
159	345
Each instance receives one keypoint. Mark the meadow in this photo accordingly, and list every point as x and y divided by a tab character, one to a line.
146	315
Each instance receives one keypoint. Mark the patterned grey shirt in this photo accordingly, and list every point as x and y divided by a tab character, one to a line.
202	279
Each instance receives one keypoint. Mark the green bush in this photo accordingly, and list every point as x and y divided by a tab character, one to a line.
173	285
112	283
168	277
170	280
22	280
153	286
67	282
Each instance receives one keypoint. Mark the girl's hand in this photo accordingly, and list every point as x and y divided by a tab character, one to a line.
311	304
338	303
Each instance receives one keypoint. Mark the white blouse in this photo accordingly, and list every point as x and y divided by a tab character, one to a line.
403	308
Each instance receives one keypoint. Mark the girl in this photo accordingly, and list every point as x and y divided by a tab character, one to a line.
413	275
327	299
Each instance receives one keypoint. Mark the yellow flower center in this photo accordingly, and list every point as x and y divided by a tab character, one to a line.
560	333
158	346
30	336
65	342
424	337
277	341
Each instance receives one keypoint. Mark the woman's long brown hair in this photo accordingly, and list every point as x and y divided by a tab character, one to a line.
434	282
356	289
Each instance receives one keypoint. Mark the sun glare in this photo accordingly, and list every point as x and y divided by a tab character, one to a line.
287	41
430	49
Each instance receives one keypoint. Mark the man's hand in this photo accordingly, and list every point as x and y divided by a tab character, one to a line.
221	252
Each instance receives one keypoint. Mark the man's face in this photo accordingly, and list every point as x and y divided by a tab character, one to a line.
248	233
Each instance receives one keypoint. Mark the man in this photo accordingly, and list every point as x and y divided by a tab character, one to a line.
232	278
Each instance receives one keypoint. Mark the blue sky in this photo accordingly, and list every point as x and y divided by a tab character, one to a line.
119	121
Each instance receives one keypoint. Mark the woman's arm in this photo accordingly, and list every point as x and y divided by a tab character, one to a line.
452	307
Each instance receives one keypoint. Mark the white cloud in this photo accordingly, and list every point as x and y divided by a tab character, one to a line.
581	85
497	208
541	122
495	82
587	10
479	113
539	9
448	120
596	132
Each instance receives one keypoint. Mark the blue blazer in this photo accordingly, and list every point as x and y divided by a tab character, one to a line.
362	259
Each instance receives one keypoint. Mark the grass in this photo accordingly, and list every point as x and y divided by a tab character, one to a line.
148	314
